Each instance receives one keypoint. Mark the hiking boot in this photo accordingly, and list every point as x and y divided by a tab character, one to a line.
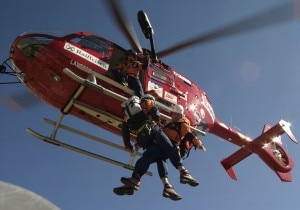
123	190
129	148
186	178
131	182
169	192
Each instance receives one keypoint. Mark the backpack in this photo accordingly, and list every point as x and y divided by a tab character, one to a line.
134	112
131	106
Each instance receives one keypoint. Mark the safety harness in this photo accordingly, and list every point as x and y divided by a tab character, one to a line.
173	131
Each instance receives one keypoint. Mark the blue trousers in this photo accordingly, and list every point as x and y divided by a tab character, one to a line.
162	167
158	148
133	82
126	135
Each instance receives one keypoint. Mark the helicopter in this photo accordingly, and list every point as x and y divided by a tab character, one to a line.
73	74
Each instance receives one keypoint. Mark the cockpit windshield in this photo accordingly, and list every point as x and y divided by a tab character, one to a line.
31	46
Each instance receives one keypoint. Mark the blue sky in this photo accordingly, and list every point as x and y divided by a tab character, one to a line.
251	79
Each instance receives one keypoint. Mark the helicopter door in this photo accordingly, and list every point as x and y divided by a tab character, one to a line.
160	80
118	56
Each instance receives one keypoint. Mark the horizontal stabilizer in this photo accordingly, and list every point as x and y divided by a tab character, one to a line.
233	159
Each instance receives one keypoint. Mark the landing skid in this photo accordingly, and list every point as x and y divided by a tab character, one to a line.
89	136
85	152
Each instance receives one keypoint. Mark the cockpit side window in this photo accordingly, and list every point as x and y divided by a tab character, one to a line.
94	43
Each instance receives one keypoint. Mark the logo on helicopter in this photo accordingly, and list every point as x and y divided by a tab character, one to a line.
170	97
85	55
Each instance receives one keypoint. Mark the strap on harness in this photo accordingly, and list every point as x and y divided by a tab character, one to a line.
147	123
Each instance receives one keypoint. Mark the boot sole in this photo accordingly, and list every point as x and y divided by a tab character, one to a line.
193	184
119	191
172	197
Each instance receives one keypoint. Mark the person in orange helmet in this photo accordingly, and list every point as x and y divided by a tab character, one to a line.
128	73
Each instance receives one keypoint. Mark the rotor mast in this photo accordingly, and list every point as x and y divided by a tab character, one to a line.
147	30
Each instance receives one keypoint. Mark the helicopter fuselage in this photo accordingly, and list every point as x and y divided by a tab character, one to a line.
74	73
41	58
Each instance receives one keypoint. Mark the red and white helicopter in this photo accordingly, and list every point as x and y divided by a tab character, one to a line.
73	74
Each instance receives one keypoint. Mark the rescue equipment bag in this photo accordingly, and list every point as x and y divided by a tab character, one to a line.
134	112
131	106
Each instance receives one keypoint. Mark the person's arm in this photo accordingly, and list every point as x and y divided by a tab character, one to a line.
155	115
193	138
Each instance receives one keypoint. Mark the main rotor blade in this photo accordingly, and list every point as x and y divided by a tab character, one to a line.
282	13
125	26
20	100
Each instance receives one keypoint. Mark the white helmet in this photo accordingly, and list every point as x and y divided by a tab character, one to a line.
177	109
147	96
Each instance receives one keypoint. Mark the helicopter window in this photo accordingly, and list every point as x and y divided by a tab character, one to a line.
162	75
94	43
31	46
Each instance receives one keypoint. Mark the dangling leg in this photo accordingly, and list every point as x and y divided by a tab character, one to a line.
168	191
126	136
135	84
165	143
141	166
172	153
119	77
